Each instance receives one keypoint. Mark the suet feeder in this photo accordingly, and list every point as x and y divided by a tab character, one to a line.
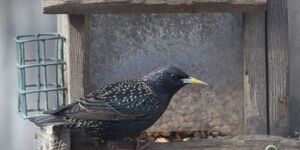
40	64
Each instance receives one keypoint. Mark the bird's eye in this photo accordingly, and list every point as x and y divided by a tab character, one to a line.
174	76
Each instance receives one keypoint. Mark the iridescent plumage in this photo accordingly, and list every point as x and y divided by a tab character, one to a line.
121	109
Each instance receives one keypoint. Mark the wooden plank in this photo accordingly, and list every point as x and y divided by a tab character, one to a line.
52	138
58	138
142	6
255	88
250	142
277	43
294	67
74	28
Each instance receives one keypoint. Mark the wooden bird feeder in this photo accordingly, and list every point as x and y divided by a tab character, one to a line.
238	46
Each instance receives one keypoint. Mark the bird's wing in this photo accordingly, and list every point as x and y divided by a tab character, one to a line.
91	110
123	100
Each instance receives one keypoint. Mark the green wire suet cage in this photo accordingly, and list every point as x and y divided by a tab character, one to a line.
40	63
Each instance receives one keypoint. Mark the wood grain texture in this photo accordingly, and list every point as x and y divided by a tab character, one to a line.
74	28
249	142
63	29
255	88
294	67
140	6
52	138
277	43
59	138
237	143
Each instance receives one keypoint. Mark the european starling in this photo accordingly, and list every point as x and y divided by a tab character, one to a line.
124	108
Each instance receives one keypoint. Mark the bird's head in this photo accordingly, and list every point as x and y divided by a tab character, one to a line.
170	79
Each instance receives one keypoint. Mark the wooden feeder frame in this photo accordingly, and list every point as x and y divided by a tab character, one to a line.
265	44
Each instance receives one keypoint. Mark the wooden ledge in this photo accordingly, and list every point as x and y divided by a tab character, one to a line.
149	6
247	142
60	138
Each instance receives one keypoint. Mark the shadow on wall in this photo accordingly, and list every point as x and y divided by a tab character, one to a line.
17	17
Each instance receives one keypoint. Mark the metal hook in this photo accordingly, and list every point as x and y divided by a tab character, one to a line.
271	147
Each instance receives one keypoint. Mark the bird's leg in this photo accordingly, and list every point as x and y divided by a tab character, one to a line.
142	145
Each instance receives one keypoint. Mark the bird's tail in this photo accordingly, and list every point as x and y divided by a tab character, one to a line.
48	120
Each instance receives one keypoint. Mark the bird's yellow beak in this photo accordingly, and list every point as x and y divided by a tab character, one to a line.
192	80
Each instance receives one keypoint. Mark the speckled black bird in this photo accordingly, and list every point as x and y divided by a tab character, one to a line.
124	108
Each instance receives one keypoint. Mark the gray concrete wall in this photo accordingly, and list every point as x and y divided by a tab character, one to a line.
206	45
